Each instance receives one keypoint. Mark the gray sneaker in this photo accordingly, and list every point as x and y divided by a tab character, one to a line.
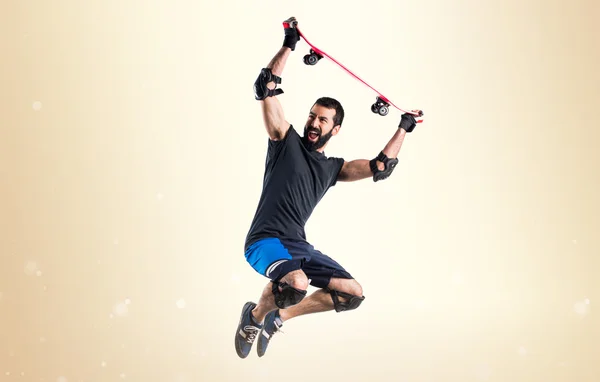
271	326
246	331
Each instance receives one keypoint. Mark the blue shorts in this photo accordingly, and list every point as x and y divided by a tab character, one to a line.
274	258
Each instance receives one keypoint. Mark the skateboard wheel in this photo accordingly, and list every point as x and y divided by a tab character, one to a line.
374	108
311	59
383	110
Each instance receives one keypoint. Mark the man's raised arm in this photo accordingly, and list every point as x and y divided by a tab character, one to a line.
382	166
265	86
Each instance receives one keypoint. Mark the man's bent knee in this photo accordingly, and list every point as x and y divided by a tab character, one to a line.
297	279
343	301
350	286
290	290
286	295
346	294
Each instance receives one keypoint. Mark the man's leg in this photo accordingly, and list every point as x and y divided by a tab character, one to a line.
321	300
337	287
253	315
266	303
271	259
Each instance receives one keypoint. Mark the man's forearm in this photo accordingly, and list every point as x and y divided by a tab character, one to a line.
360	169
278	62
392	148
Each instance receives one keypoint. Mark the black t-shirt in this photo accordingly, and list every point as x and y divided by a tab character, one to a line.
295	180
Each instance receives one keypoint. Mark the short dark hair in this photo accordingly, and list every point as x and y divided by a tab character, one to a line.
331	103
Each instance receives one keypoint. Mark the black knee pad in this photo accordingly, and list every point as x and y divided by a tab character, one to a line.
288	295
352	302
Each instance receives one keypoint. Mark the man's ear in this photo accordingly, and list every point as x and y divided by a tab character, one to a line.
336	129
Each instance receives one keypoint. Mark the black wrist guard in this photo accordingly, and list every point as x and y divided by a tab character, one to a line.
408	122
291	34
389	164
261	91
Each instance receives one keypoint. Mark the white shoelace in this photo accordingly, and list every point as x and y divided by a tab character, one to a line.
251	332
278	325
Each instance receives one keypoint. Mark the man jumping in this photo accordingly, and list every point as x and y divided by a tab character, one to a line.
297	176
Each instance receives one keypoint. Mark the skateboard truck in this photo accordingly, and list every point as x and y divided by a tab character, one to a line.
380	107
312	58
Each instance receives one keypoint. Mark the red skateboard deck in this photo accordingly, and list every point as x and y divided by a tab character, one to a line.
380	106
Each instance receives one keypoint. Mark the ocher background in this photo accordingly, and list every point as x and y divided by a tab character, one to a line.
131	160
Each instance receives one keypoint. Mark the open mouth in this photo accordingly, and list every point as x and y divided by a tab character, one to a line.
313	135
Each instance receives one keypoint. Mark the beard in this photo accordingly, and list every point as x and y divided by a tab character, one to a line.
321	139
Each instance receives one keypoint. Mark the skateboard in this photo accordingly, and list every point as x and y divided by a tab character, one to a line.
382	103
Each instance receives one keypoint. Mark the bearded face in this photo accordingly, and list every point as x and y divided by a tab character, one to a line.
319	128
314	138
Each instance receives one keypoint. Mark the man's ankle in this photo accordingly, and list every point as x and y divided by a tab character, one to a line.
256	319
283	316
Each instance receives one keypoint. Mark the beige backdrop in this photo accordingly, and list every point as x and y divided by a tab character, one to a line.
131	161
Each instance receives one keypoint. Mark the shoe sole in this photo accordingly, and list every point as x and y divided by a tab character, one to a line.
260	335
237	345
258	344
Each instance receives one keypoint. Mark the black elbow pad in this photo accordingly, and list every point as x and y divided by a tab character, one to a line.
389	164
261	91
